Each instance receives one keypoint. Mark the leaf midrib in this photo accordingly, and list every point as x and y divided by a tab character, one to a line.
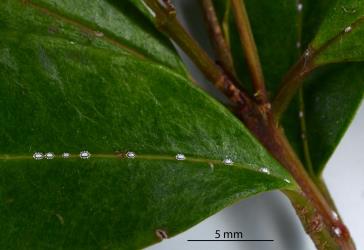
337	37
138	55
148	157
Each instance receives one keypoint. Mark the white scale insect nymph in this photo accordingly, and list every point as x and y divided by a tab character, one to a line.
130	155
66	155
337	231
85	155
180	157
348	29
38	156
264	170
49	156
228	162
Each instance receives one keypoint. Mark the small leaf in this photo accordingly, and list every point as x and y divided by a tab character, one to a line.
96	76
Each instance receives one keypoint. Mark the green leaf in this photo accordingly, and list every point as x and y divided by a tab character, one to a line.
96	76
340	36
333	93
332	96
314	13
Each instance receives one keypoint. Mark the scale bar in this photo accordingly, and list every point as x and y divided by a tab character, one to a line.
234	240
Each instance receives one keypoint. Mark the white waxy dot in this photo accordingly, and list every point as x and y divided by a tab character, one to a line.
307	53
85	155
337	231
49	156
130	155
300	7
298	45
66	155
264	170
228	162
334	215
38	156
99	34
180	157
300	114
286	180
348	29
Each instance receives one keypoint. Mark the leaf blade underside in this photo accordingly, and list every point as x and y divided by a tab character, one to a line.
74	77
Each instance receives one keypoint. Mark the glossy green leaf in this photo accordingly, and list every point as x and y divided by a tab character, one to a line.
278	37
96	76
341	33
314	12
330	107
277	51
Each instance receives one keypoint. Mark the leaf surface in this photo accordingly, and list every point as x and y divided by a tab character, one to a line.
96	76
341	33
330	106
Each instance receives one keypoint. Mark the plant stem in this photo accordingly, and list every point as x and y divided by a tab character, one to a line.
250	50
274	140
167	22
302	118
292	82
260	122
225	23
281	149
221	48
312	222
325	191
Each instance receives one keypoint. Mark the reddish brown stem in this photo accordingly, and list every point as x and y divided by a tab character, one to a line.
312	222
221	48
166	21
272	137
